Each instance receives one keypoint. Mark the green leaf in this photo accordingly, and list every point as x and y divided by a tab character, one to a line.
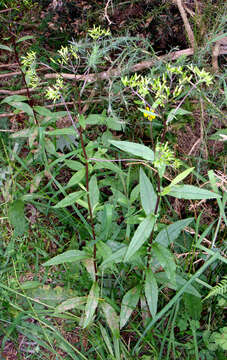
114	258
134	149
166	260
77	177
220	135
64	131
92	303
24	38
50	147
17	218
193	306
221	338
28	285
107	220
41	110
23	107
90	267
181	176
151	292
219	37
74	165
13	98
162	278
5	47
171	232
135	193
147	194
93	192
69	199
67	257
147	112
113	124
112	318
140	236
71	304
191	192
107	340
105	164
129	302
22	133
95	119
174	112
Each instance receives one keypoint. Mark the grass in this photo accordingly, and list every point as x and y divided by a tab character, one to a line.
113	233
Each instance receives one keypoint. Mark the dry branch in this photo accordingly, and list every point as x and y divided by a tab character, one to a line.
105	75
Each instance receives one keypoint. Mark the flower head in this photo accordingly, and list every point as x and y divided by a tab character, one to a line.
149	116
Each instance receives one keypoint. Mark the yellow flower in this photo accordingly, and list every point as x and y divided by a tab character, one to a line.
150	117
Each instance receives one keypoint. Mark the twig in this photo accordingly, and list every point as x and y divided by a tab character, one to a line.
186	23
106	12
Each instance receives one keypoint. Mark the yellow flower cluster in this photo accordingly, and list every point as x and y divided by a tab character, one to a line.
150	117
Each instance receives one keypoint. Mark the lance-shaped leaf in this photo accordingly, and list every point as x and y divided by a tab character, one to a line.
74	165
129	302
77	177
166	260
191	192
70	304
171	232
151	292
114	258
92	302
112	318
69	199
162	278
140	150
12	98
23	107
67	257
140	236
93	191
5	47
181	176
147	193
17	217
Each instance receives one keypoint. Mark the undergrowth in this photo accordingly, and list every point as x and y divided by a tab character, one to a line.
113	194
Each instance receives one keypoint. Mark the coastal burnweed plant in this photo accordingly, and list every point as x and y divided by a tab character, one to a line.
122	261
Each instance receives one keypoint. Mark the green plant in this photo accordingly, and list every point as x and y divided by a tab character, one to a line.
118	253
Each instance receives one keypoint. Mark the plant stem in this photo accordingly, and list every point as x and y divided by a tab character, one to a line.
88	199
155	213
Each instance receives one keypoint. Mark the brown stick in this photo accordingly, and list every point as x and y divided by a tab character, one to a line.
186	23
104	75
16	92
14	73
8	65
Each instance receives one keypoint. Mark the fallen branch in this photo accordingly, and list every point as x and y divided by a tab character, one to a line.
14	73
8	65
104	75
16	92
